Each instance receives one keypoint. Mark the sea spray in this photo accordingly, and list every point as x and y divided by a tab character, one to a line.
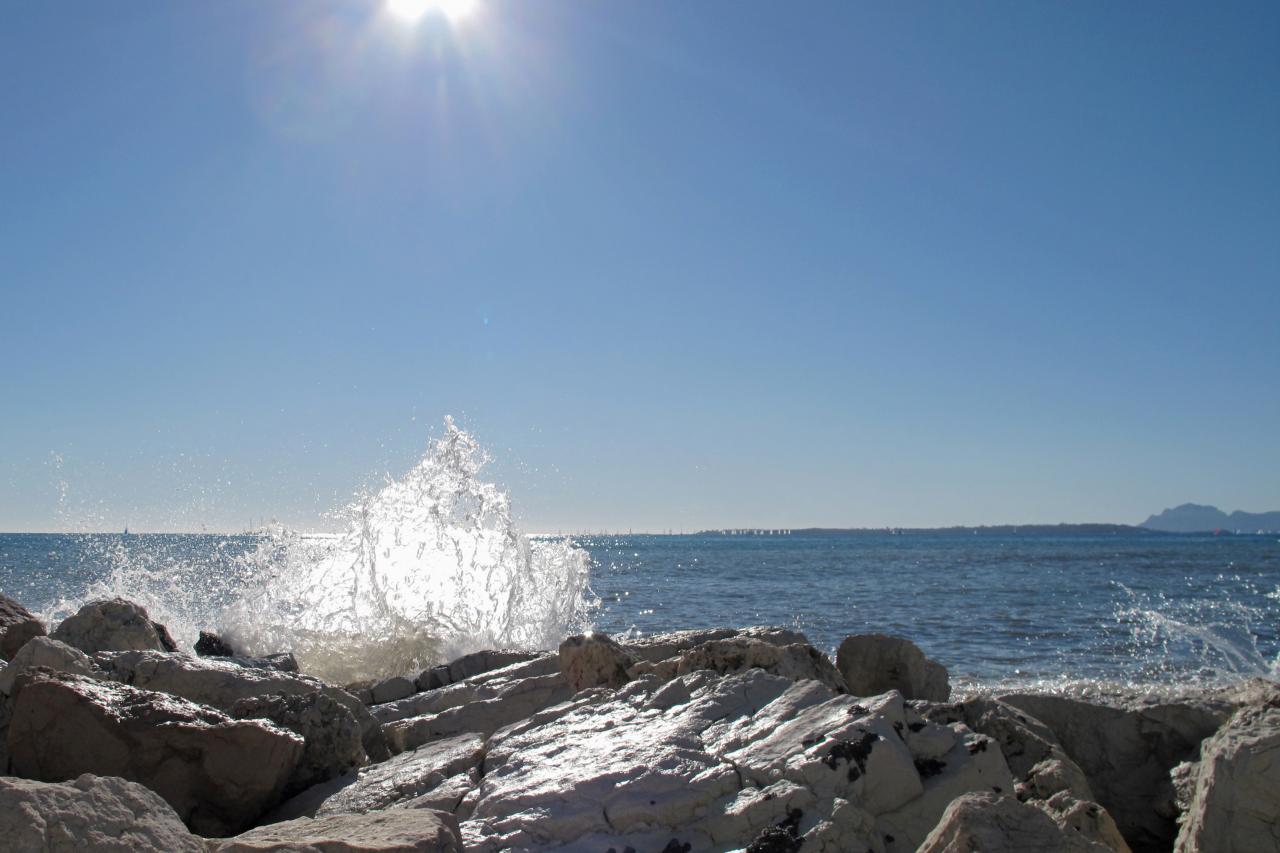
430	566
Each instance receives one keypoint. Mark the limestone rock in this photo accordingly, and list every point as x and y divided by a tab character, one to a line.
1127	755
661	647
331	734
992	823
221	682
795	661
90	813
1235	806
392	689
593	660
219	774
405	778
397	831
507	703
47	652
210	645
874	663
111	625
1083	818
17	626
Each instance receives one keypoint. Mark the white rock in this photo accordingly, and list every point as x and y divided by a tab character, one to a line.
396	831
593	660
46	651
991	823
513	702
97	813
1235	807
796	661
1084	818
112	625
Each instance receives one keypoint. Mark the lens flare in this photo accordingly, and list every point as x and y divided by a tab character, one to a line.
412	11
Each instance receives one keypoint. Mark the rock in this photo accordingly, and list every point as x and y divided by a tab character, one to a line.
708	763
47	652
17	626
874	663
507	703
404	778
331	735
221	682
162	634
661	647
112	625
391	689
993	823
479	663
219	774
796	661
1126	755
407	830
1235	805
90	813
1085	819
210	645
1040	767
593	660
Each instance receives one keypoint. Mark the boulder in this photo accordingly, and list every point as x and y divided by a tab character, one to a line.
593	660
707	762
17	626
795	661
219	774
403	779
1127	755
392	689
994	823
167	643
210	645
331	735
46	652
398	831
111	625
89	813
1040	767
1235	804
221	682
874	663
1085	819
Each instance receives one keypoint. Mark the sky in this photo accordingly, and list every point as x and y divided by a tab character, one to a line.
677	265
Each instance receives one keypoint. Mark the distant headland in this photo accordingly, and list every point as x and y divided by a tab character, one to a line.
1199	518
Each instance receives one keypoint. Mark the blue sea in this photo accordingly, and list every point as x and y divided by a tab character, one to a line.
998	609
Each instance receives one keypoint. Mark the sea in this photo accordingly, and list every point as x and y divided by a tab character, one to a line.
434	564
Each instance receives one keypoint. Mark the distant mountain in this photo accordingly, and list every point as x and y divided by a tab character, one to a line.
1197	518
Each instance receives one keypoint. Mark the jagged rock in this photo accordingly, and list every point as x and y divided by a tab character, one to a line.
17	626
796	661
993	823
1127	754
405	778
219	774
661	647
1235	805
593	660
47	652
104	814
469	667
1040	767
482	708
397	831
167	643
220	683
331	734
392	689
111	625
874	663
1084	818
710	761
210	645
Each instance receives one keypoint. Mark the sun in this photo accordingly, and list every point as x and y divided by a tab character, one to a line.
412	11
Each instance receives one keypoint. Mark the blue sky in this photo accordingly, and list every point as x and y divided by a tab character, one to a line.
677	264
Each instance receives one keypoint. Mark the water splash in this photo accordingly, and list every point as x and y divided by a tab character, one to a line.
431	565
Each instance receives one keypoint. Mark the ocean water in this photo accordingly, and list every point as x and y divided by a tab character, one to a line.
433	564
997	610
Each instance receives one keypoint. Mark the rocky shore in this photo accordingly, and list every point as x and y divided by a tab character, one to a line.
748	739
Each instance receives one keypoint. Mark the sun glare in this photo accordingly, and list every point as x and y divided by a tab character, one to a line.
412	11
